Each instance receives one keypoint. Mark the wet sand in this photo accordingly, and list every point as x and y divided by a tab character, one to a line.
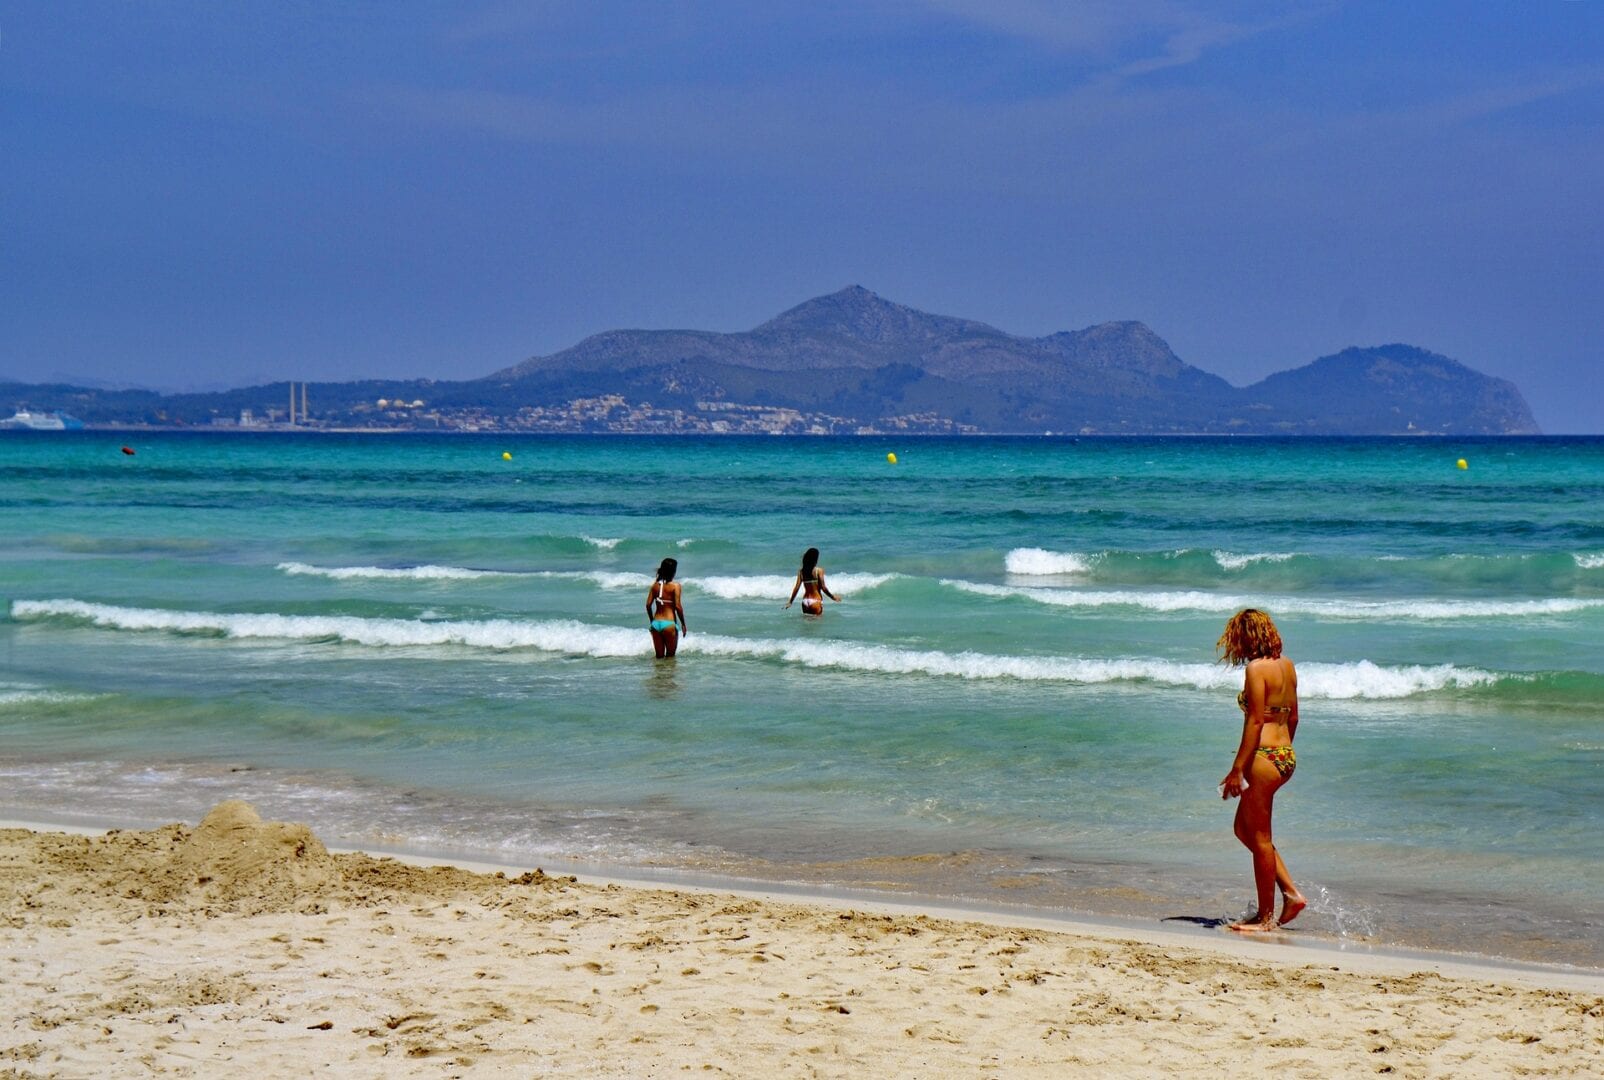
244	947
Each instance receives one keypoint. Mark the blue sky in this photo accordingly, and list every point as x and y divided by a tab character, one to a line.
197	193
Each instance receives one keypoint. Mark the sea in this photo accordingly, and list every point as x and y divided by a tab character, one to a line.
437	644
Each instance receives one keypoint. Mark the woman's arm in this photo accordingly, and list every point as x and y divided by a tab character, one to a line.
679	610
1235	781
649	594
825	589
1292	684
794	587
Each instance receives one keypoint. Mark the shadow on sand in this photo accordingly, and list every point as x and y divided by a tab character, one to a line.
1198	920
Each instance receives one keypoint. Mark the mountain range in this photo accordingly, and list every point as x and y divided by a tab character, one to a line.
854	361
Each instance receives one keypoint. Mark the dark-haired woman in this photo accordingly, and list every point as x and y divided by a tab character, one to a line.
810	580
664	610
1264	758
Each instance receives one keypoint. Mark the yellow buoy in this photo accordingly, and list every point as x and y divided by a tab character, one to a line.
892	458
505	456
1462	463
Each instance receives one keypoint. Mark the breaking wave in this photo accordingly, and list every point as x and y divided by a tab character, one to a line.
1361	679
777	586
1039	562
23	694
387	573
1231	561
735	587
1225	603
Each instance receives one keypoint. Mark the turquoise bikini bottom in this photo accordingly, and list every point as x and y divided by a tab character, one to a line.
662	625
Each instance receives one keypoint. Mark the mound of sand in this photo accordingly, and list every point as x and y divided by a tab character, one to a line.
235	858
234	862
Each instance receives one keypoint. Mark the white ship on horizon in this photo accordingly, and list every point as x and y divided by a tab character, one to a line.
33	421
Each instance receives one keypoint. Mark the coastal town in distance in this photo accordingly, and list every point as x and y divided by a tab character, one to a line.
604	414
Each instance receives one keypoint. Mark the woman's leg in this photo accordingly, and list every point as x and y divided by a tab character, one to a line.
1292	900
659	645
1253	817
670	642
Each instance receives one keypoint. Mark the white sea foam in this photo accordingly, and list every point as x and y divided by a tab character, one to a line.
387	573
605	543
1589	562
606	579
27	695
1039	562
1152	601
561	636
1432	609
1195	600
881	659
748	587
776	586
1362	679
760	586
753	587
1231	561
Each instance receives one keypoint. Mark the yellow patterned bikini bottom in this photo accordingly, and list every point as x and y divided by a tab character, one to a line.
1282	757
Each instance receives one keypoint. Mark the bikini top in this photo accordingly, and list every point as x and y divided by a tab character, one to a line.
660	600
1242	703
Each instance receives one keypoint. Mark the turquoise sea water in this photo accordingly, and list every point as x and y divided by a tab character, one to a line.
409	642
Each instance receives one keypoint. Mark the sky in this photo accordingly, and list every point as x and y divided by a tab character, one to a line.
196	194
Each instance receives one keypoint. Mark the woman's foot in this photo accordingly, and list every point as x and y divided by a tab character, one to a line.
1291	905
1254	925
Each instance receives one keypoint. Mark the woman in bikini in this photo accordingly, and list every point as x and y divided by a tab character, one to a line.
663	608
810	580
1264	759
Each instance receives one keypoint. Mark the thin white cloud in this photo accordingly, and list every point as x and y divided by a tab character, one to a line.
1180	33
1496	99
1188	45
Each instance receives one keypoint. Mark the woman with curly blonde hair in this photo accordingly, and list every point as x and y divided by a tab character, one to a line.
1264	758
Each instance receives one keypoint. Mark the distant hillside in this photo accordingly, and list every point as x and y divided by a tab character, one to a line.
855	354
852	362
1377	390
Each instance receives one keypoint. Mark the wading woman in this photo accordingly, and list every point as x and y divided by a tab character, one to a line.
1264	758
663	608
810	580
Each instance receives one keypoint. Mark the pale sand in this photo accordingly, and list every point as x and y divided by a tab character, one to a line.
247	949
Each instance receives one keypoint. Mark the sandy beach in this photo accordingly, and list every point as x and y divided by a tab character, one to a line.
244	947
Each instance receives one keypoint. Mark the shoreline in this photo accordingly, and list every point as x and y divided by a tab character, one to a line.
1356	956
248	947
1278	948
1442	918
